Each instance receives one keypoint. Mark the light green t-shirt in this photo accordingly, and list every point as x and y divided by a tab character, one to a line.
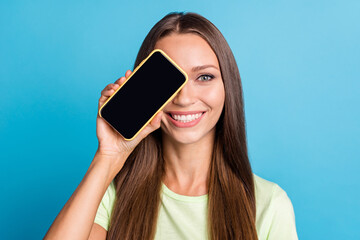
185	217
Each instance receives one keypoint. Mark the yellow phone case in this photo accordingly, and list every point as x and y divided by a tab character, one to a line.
172	61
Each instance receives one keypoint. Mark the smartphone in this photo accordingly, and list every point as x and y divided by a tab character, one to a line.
146	91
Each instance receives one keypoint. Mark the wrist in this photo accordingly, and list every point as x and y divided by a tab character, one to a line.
109	154
110	162
112	150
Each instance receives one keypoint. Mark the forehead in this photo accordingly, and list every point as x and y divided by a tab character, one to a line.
188	50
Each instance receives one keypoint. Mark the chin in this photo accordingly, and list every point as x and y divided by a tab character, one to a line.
190	137
185	139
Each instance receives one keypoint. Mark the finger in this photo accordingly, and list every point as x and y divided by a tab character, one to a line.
108	93
156	121
120	81
102	100
109	88
105	94
128	73
152	126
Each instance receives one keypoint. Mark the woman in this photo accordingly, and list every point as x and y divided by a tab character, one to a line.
187	174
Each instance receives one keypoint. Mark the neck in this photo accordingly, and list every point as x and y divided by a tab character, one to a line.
187	165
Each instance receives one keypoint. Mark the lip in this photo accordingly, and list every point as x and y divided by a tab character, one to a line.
187	124
184	112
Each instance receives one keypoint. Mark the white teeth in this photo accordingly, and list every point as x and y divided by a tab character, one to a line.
186	118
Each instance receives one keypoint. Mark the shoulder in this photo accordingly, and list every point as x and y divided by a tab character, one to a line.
263	190
275	216
270	197
267	192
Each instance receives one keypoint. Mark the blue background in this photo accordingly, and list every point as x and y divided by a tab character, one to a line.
299	62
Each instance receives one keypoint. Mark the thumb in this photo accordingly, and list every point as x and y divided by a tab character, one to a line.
152	126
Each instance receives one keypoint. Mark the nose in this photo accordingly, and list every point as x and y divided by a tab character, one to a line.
185	97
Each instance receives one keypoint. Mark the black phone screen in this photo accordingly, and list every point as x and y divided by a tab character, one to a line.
142	95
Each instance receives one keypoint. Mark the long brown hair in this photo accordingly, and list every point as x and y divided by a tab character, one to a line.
231	201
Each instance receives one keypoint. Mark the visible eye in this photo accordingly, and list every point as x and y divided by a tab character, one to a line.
206	78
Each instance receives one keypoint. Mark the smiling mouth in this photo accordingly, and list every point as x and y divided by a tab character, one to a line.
184	118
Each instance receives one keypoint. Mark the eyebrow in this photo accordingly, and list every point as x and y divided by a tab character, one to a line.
198	68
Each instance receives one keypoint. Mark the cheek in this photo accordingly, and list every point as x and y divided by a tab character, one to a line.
214	96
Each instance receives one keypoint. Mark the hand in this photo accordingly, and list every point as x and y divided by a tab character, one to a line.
111	143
